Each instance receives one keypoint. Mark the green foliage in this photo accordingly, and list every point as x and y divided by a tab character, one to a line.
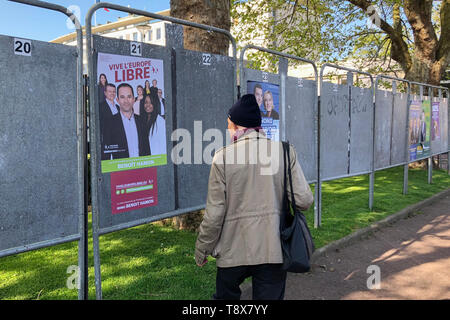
325	31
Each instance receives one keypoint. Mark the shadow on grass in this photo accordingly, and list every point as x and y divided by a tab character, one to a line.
153	262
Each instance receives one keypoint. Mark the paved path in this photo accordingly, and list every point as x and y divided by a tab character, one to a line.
413	256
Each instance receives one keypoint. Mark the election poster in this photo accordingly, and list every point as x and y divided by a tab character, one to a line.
425	129
134	189
435	128
132	111
267	96
414	126
419	129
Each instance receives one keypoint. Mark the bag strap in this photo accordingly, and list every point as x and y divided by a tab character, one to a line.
285	169
290	177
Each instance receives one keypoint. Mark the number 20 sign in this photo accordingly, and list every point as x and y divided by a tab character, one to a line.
22	47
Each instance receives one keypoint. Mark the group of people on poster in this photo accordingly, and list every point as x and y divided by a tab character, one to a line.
265	102
132	119
423	125
418	129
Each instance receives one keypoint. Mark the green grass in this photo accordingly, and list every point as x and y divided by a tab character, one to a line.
156	262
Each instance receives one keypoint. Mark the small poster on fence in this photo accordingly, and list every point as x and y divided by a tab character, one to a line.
419	129
267	97
132	112
435	129
134	189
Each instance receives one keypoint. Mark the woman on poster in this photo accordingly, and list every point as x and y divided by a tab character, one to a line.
102	82
154	126
269	107
147	88
138	99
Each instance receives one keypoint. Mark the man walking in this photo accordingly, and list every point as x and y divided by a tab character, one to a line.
242	218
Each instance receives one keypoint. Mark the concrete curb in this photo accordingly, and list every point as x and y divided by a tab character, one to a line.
363	233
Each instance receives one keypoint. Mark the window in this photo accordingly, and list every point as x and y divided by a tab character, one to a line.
158	33
149	35
135	36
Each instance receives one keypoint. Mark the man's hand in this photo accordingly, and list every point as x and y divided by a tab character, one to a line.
203	263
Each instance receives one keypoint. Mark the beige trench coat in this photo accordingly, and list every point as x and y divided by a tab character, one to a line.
242	216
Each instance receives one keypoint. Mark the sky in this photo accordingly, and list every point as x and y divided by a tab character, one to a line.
29	22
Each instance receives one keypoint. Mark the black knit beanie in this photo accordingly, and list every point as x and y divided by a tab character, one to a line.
245	112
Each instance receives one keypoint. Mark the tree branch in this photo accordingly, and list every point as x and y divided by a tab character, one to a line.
419	13
399	52
293	10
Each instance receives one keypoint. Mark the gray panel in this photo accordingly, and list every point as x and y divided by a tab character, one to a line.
165	173
383	123
300	118
447	108
436	144
204	93
38	144
261	76
334	130
399	129
361	130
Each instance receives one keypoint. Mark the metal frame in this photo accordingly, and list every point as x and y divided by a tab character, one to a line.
283	108
405	163
81	150
372	164
93	118
430	157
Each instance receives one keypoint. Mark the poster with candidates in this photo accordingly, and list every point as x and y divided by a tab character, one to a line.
131	109
267	96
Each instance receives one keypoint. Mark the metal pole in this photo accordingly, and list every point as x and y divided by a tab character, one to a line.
421	85
372	165
107	5
430	159
81	142
405	167
282	70
448	131
93	115
407	142
318	187
86	189
394	93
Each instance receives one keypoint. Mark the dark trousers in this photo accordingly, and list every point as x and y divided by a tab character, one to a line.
268	282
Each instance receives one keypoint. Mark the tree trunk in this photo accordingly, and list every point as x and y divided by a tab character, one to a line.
430	72
431	55
215	13
429	60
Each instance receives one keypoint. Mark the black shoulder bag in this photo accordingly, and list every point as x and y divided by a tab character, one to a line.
296	241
